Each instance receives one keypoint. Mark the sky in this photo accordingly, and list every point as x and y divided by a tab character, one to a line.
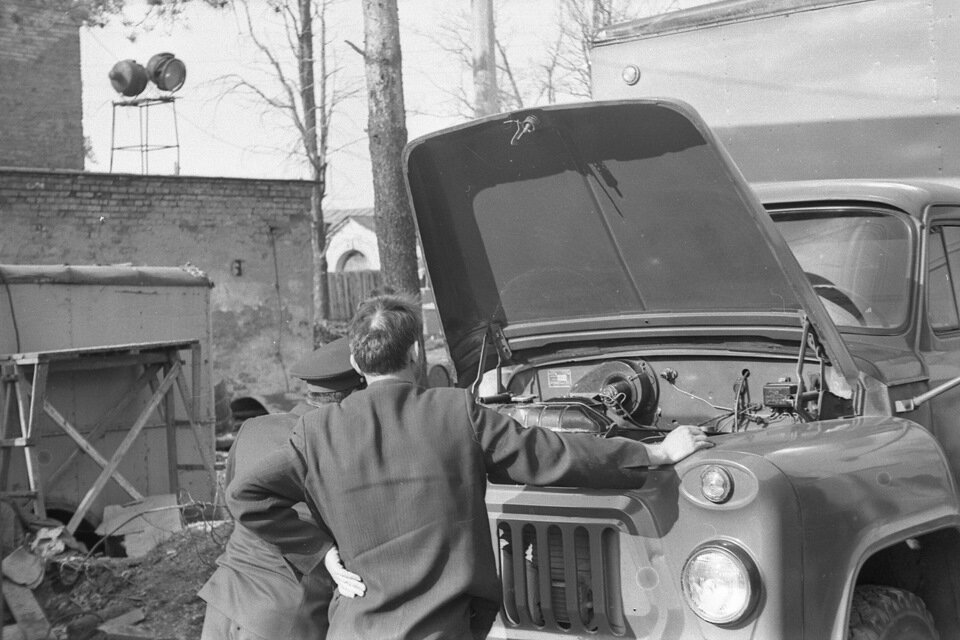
210	131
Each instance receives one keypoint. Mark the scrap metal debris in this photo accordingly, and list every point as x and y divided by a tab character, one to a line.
56	589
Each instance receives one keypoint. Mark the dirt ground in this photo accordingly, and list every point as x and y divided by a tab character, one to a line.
163	584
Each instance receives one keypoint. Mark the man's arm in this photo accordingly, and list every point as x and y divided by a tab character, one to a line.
538	456
261	496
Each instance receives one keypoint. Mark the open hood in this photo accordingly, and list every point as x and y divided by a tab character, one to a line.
571	224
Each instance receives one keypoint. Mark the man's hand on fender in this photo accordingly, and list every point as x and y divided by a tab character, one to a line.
348	584
678	444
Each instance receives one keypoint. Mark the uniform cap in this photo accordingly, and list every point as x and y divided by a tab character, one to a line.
328	368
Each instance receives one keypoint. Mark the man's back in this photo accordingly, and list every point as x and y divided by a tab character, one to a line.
400	480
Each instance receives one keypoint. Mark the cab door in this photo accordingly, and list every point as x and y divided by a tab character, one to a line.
940	330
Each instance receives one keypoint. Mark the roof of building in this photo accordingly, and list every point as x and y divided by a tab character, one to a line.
334	217
340	217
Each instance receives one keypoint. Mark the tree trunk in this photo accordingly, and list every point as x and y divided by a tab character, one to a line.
318	232
387	131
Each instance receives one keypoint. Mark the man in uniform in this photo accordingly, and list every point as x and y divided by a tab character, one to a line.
399	474
255	592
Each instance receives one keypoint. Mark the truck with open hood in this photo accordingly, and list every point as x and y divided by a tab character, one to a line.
605	269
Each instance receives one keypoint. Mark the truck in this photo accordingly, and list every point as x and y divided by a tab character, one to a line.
107	395
746	263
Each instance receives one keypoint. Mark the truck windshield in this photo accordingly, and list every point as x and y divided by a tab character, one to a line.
858	263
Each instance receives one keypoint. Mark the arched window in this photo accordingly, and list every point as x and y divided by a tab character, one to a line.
353	261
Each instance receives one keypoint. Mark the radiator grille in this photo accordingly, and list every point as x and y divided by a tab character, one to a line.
561	577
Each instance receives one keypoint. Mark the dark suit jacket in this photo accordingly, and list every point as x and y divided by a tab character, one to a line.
253	585
399	475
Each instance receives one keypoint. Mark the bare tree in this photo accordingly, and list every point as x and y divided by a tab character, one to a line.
559	71
308	94
387	132
454	37
579	21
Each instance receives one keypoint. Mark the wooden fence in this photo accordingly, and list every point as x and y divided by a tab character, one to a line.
347	289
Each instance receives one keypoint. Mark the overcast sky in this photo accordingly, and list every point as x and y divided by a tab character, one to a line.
228	135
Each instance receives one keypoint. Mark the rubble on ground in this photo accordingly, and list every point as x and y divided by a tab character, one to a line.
84	596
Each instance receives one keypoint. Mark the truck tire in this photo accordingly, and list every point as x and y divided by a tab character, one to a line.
886	613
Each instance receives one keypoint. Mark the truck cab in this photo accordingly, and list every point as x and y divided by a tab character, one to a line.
882	256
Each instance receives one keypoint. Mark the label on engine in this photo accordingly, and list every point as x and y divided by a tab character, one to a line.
559	378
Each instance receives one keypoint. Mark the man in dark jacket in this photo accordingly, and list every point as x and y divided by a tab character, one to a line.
399	474
255	593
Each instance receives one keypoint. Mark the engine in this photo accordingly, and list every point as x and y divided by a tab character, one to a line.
612	395
628	397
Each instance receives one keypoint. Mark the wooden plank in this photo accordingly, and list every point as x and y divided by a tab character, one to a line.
28	421
170	408
23	408
127	632
33	357
8	385
38	393
197	433
122	449
104	422
38	396
130	617
195	375
194	422
89	450
26	611
107	362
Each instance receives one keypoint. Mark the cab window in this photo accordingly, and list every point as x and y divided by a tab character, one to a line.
943	290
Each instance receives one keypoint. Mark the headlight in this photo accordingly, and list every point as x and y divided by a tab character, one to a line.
721	583
716	485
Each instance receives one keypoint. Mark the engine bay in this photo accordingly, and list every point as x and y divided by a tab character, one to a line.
642	398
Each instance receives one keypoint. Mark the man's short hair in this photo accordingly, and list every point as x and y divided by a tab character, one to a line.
382	331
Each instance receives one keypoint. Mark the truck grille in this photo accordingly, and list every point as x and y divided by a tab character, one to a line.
561	577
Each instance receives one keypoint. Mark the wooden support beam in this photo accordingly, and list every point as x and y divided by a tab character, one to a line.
8	390
30	403
195	356
89	450
110	362
170	418
195	425
38	393
122	449
26	611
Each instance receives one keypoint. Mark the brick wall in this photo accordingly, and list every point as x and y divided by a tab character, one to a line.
54	217
40	96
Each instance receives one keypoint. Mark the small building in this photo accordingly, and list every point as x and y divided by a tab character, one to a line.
352	241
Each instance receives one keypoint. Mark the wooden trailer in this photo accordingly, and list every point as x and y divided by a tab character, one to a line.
106	392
